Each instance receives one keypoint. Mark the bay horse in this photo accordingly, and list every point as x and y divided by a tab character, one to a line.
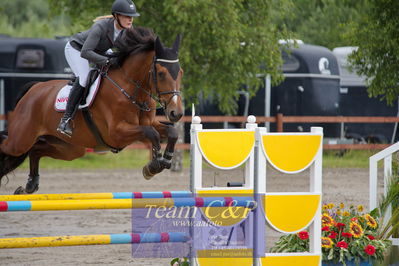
147	74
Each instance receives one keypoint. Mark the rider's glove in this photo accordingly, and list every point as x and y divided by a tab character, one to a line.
112	61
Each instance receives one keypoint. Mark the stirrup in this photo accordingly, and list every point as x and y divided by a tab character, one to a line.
64	127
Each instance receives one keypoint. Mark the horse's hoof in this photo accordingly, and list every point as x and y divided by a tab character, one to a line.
29	190
19	190
165	163
146	173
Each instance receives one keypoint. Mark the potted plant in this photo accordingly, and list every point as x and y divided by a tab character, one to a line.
350	236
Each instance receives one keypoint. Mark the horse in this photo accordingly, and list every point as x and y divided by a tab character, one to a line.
147	74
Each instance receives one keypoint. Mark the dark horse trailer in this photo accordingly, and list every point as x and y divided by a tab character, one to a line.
28	59
310	88
354	101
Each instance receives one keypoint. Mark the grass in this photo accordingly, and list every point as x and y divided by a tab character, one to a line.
129	159
135	159
347	159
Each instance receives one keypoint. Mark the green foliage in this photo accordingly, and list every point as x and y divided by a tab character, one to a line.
321	22
224	42
390	227
127	159
18	12
350	158
21	18
376	34
180	262
290	243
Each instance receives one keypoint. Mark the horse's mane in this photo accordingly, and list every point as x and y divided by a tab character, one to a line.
133	41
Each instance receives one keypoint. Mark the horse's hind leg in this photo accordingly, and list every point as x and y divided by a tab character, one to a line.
51	147
33	181
16	144
8	162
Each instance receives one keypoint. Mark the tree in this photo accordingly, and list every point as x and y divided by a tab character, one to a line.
377	36
224	42
321	22
21	18
18	11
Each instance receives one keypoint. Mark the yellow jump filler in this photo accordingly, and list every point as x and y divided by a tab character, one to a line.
287	212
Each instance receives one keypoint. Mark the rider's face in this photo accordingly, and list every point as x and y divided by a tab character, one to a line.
125	21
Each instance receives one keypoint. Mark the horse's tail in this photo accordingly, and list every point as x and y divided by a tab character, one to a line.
9	163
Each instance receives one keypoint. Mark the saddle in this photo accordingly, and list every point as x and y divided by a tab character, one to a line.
93	83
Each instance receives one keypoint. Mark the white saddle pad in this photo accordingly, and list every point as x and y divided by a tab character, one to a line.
62	96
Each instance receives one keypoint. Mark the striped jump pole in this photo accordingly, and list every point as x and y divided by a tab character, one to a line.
57	241
60	205
111	195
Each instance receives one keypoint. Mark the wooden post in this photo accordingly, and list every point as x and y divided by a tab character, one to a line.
177	160
279	122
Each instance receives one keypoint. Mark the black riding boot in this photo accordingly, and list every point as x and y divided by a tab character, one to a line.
72	105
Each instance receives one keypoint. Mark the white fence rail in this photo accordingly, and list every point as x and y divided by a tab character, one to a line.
386	155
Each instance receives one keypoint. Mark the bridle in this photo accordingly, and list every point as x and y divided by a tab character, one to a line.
138	86
154	75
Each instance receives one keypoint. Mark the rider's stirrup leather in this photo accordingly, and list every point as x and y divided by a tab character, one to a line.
72	105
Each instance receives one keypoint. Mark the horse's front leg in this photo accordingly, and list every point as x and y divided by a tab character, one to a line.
155	166
169	132
125	133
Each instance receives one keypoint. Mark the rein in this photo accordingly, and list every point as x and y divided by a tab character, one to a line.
153	72
142	107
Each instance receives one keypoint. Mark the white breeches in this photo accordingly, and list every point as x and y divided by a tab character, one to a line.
79	65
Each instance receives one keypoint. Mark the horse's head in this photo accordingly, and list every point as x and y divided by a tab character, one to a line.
167	75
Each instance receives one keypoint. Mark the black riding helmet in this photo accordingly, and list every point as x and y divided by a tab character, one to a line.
125	8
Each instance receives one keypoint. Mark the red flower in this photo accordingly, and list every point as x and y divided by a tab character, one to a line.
371	237
340	226
370	249
325	228
347	235
354	219
303	235
332	235
342	244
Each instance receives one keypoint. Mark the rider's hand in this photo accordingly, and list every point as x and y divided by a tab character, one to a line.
112	61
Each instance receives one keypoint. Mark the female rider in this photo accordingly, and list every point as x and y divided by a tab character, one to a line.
89	47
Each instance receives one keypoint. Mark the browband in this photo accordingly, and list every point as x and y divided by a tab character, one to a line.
167	61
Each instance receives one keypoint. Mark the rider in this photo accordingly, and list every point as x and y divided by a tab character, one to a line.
89	47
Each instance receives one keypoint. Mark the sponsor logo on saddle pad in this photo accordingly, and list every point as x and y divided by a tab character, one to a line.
62	96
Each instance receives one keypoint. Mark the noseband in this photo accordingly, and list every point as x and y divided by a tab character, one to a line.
152	74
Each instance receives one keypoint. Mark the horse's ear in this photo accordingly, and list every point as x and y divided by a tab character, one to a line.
158	46
176	44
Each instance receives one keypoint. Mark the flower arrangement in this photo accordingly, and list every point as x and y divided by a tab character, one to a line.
347	235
